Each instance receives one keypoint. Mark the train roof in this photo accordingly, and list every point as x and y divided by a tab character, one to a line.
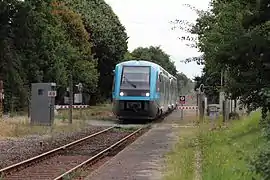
139	63
143	63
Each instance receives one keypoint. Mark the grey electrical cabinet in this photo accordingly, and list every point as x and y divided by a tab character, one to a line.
42	103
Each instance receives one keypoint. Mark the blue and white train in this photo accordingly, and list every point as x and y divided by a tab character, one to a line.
143	90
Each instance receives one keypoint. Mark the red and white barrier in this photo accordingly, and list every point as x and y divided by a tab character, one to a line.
188	107
74	106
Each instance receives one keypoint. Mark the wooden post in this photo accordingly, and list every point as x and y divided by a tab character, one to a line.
200	108
1	97
200	101
70	98
197	103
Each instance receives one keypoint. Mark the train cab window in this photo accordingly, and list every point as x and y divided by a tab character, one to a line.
136	73
136	76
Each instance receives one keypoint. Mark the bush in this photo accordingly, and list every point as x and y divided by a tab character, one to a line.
260	163
234	115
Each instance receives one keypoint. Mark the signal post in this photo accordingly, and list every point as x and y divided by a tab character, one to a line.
182	102
200	92
1	97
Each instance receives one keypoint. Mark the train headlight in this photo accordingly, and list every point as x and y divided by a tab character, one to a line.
147	94
121	94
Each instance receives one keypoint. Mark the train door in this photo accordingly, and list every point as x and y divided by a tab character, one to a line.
113	85
158	83
161	88
171	92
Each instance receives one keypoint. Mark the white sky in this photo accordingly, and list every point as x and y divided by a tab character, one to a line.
147	23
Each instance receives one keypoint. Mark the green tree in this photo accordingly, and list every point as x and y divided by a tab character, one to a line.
10	63
212	81
43	42
234	37
83	66
185	85
108	36
156	55
128	56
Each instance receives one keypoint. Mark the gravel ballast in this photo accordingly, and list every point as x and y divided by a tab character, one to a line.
18	149
69	158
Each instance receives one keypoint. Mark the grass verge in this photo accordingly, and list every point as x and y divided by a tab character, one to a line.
19	125
225	153
181	160
99	112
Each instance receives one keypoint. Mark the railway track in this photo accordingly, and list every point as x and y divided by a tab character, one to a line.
66	160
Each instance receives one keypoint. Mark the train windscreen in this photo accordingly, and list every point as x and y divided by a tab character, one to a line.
136	77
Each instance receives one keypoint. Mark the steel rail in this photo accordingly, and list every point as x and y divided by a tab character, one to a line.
100	154
25	162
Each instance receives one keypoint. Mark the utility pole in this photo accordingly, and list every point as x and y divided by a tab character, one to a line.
200	92
70	98
181	92
79	97
223	101
197	102
1	97
221	96
227	104
221	79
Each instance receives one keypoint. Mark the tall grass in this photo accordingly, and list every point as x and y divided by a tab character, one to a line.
181	160
100	112
225	152
20	126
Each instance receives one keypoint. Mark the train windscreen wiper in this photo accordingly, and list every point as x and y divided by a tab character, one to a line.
126	79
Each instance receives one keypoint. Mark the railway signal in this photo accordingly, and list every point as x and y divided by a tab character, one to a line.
182	99
182	102
201	88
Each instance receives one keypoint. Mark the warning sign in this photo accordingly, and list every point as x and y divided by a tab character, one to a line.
182	99
51	93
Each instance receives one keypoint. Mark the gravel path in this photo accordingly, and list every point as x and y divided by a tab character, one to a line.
19	149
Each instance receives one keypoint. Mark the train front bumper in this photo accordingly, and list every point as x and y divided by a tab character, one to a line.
134	109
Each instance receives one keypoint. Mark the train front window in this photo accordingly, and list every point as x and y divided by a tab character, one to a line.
135	76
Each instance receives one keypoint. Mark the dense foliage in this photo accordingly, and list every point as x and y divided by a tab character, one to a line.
212	82
153	54
48	41
108	36
234	38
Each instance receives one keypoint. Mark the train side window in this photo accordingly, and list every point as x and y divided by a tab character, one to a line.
159	77
158	84
163	84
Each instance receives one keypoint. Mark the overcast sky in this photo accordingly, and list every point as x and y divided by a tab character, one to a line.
147	23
